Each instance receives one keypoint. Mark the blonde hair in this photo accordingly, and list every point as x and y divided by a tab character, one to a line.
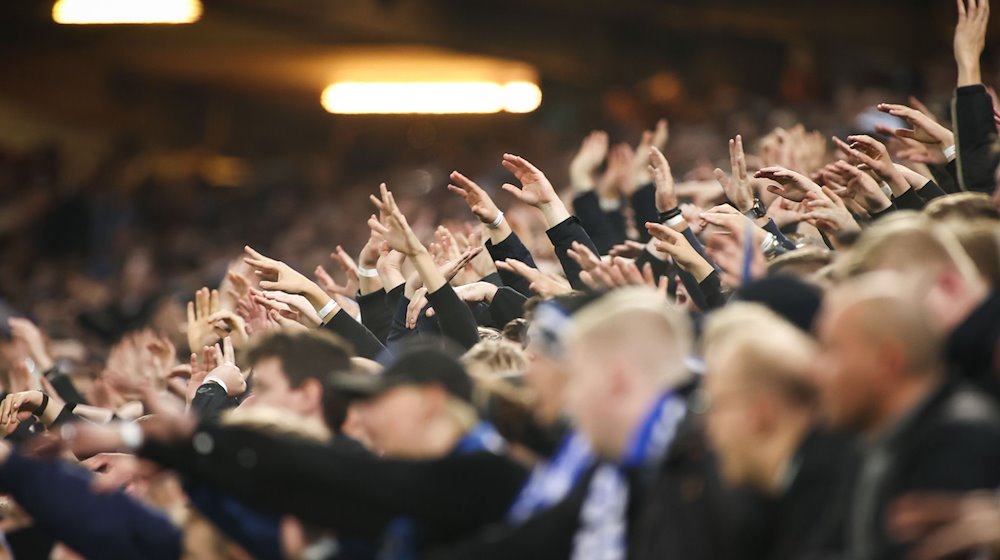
962	206
904	243
489	357
752	332
802	262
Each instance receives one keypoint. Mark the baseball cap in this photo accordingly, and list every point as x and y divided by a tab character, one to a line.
413	366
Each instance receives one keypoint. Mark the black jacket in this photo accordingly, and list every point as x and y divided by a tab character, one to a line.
975	133
951	443
344	488
972	347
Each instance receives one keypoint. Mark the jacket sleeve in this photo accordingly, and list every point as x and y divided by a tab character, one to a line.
255	531
512	248
930	191
975	132
364	342
909	200
351	491
59	499
644	209
210	400
596	222
376	315
506	306
454	317
562	236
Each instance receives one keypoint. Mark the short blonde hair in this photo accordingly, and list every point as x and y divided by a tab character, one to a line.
904	243
962	206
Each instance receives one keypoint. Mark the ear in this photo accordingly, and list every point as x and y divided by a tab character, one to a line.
763	415
618	379
311	392
434	398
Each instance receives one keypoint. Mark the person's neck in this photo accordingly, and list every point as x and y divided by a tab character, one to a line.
633	412
904	399
776	454
440	437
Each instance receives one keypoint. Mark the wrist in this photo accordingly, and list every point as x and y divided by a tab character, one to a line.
489	292
554	212
969	74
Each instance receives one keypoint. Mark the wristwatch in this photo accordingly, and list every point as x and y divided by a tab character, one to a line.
756	211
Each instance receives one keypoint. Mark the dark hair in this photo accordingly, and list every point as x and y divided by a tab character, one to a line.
303	355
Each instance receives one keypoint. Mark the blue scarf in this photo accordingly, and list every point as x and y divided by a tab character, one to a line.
401	536
551	480
603	523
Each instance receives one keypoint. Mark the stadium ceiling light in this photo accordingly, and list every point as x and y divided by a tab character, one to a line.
126	11
425	97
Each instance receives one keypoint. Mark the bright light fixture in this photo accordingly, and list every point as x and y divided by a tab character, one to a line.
126	11
431	97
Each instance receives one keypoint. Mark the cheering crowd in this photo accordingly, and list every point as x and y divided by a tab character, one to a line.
795	360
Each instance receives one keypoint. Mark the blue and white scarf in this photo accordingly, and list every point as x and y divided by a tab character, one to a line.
603	523
552	480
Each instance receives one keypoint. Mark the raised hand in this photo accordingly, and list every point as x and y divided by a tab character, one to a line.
790	184
657	138
591	154
276	275
475	197
18	407
350	269
863	188
535	189
113	471
33	339
477	292
923	128
659	169
677	246
296	307
227	371
417	303
545	285
393	226
738	188
970	39
617	176
828	213
201	328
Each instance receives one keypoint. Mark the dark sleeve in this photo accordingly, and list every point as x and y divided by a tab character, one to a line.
512	248
711	288
773	229
506	306
113	525
376	315
453	316
210	400
562	236
659	267
930	191
946	176
596	222
398	332
493	278
257	532
890	209
694	288
644	208
63	384
975	132
909	200
364	342
347	490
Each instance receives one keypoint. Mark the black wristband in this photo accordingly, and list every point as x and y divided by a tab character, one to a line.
41	408
672	213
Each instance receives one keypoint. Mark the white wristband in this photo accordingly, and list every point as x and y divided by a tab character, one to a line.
131	435
326	309
676	220
949	153
217	380
367	272
496	223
